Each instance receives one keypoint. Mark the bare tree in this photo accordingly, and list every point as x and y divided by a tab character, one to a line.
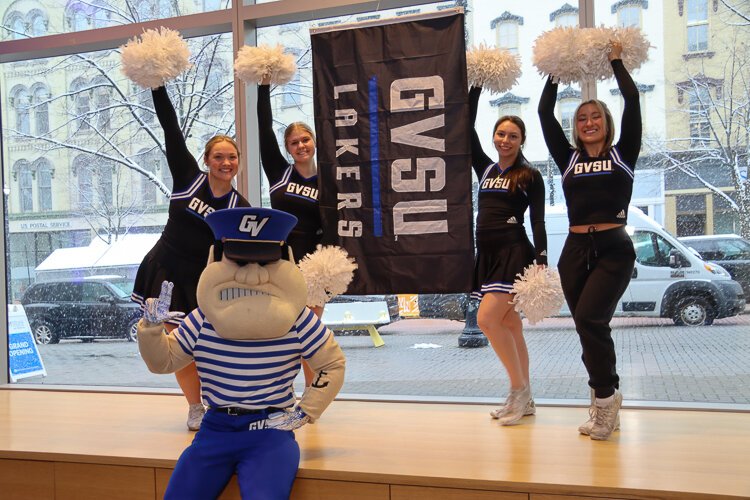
111	121
717	107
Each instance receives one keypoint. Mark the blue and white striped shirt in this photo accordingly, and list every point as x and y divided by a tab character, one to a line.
249	373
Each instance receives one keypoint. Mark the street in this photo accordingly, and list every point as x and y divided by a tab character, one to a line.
657	361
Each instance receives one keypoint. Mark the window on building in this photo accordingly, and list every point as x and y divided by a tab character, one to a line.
105	187
697	25
507	36
691	214
81	95
629	16
44	184
85	182
21	104
15	26
699	105
565	16
38	23
567	115
26	189
292	91
102	93
41	109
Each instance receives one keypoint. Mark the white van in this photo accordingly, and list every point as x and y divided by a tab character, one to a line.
669	281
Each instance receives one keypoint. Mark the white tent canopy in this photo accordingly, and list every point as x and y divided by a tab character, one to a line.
128	251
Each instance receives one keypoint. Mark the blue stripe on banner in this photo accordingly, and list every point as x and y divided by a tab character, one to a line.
377	216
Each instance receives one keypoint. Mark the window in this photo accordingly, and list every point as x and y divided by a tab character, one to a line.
629	16
691	215
21	103
104	189
27	190
565	16
697	25
41	109
81	103
509	104
507	36
85	185
38	24
102	103
292	90
651	249
44	184
14	26
567	117
699	104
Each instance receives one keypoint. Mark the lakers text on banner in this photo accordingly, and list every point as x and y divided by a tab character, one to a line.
394	160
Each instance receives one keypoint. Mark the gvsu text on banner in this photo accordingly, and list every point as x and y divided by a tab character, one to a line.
394	159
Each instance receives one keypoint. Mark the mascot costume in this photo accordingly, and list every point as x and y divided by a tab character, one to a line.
247	336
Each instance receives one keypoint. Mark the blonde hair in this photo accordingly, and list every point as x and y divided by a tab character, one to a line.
213	141
608	122
297	126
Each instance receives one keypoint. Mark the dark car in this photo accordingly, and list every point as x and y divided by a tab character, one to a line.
85	309
729	251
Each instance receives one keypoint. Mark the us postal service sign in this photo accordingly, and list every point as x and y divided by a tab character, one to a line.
24	359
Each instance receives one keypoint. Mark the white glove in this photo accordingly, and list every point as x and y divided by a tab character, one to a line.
288	420
157	310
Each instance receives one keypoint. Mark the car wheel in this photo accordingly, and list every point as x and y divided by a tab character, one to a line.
132	331
693	311
44	333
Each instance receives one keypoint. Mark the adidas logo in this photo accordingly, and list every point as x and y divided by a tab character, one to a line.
544	253
512	220
622	215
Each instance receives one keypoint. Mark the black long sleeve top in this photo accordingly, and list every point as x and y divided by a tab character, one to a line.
597	190
186	232
500	207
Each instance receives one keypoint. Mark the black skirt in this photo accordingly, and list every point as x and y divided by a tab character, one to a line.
500	258
163	263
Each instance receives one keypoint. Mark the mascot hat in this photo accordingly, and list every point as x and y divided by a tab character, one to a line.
250	234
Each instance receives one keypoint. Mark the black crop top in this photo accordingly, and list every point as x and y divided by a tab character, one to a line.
501	208
597	190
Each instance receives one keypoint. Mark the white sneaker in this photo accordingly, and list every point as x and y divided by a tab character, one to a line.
606	418
530	410
515	409
585	428
195	416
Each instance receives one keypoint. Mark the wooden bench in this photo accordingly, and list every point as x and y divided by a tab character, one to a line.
358	316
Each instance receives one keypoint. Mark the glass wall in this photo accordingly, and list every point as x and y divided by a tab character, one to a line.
86	192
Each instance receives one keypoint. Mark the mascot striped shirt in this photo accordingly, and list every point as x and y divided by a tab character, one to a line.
252	374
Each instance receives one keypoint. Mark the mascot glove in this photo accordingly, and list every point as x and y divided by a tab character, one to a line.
157	310
288	420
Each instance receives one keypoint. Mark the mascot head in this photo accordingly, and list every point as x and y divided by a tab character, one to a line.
249	290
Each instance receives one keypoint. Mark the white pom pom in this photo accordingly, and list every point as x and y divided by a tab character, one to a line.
538	293
556	54
494	69
576	54
328	272
254	63
154	58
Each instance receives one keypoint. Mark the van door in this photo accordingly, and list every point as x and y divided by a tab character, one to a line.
651	274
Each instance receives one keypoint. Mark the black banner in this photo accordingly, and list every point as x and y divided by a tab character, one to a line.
394	160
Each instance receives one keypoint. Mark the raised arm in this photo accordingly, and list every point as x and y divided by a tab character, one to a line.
181	163
479	160
536	215
274	163
631	127
554	137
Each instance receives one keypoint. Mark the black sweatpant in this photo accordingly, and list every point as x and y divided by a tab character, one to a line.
595	270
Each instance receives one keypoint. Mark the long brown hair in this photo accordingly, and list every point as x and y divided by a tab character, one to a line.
609	122
521	173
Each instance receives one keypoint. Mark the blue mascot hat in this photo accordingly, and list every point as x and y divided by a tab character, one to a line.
250	234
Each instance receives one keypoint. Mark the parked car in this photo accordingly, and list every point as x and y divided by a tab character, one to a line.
84	309
730	251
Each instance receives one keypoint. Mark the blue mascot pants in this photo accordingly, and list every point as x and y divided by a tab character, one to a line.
265	460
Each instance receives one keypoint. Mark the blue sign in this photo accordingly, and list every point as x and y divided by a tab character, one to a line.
24	359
